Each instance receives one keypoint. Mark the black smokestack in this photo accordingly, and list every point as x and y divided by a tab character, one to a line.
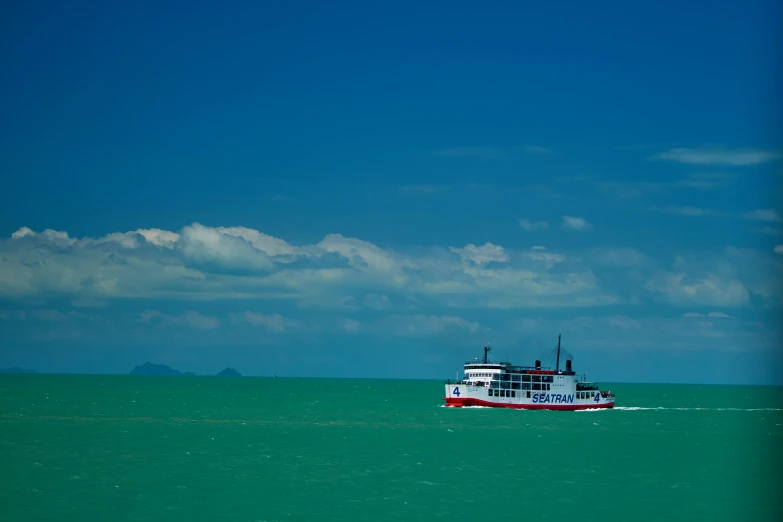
568	366
538	364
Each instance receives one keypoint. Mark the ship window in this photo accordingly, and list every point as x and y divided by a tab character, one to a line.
536	378
525	385
547	378
513	394
516	378
548	386
514	385
489	392
528	395
526	378
537	386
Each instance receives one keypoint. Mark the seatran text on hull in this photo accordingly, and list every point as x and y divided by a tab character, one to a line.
502	385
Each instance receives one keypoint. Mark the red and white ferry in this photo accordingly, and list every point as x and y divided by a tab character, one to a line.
502	385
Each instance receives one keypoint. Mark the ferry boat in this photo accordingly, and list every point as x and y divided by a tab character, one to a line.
502	385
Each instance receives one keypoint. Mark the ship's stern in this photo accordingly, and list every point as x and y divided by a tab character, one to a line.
455	394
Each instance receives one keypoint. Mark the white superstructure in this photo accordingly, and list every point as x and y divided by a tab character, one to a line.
503	385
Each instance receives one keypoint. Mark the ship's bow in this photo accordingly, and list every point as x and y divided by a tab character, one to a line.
455	395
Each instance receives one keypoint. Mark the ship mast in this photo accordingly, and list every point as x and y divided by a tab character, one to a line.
557	365
486	349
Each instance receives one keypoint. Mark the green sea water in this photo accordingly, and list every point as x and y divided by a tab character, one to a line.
100	448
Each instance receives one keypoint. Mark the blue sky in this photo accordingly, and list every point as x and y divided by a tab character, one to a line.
377	190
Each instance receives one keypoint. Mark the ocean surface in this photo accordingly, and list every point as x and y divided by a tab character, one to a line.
100	448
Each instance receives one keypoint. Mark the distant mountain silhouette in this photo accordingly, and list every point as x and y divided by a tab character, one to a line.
156	369
229	372
15	370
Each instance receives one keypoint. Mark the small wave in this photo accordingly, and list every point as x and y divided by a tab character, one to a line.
640	408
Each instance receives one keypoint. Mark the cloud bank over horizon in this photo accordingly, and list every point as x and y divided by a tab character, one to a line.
203	283
233	263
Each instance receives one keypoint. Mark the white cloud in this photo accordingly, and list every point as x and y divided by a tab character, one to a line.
481	255
719	315
535	149
711	289
89	302
533	225
587	333
715	156
237	263
639	189
159	237
272	322
54	237
192	319
22	232
360	254
624	323
575	223
431	324
763	214
538	248
687	211
779	249
350	325
211	245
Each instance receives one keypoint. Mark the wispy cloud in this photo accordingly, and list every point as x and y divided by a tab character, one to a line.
717	315
763	214
192	319
542	191
271	322
484	152
575	223
493	152
573	179
778	249
687	211
639	189
535	149
533	225
717	156
426	189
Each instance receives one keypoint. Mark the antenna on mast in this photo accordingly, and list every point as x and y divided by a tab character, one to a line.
486	349
557	365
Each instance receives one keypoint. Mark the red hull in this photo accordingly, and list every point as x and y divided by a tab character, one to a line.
457	403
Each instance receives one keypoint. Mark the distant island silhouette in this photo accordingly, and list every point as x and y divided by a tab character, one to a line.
157	369
16	369
149	368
